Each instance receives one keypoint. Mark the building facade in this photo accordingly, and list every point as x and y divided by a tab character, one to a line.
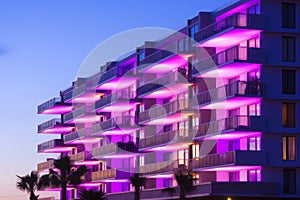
218	98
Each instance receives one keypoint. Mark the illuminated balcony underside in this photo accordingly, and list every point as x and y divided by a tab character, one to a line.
169	64
228	37
118	106
57	149
57	109
118	83
233	134
88	118
117	131
88	97
167	91
231	168
56	189
117	154
86	140
230	103
170	119
58	129
170	147
228	70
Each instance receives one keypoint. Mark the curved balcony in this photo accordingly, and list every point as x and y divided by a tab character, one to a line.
212	162
54	106
115	150
53	146
45	166
81	136
55	126
83	114
165	86
82	94
231	95
160	168
110	175
117	125
120	101
230	30
231	127
168	113
83	158
172	140
230	62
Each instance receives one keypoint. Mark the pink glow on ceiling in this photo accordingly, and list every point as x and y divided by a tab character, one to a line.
167	65
229	37
57	150
118	107
58	109
231	135
231	103
161	176
228	70
167	91
232	168
118	83
89	184
172	147
117	131
89	118
172	118
88	162
87	97
123	154
58	129
84	141
114	180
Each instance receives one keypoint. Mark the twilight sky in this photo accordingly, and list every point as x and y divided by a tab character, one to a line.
42	45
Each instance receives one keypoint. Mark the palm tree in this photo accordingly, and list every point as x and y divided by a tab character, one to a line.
185	182
29	184
92	195
67	175
137	181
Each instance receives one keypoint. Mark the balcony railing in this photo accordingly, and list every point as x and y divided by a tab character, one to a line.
84	155
105	174
117	71
45	165
234	122
48	104
125	121
74	135
237	88
77	113
159	167
236	20
118	95
114	148
50	144
165	109
163	81
176	136
214	160
49	124
75	92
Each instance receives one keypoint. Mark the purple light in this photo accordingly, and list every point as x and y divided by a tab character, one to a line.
168	91
58	110
231	103
58	129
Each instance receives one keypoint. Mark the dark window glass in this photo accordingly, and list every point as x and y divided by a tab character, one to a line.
288	115
288	49
289	181
289	148
288	15
194	29
288	81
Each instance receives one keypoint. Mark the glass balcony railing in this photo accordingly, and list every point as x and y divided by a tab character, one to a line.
214	160
237	88
49	124
114	148
176	136
214	127
159	167
236	20
75	92
125	121
50	144
84	155
116	96
162	82
45	165
84	110
165	109
74	135
48	104
105	174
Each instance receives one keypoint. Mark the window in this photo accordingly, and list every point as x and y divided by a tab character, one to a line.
168	182
125	187
254	175
288	15
288	148
255	9
254	109
288	48
142	160
288	115
289	181
254	143
194	29
288	81
234	176
234	145
141	56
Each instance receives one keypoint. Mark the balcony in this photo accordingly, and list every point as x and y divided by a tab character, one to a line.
53	146
55	126
83	114
82	94
115	126
115	150
45	166
164	167
110	175
231	127
166	60
230	30
230	62
120	101
54	106
82	136
168	113
165	86
83	158
116	77
231	95
239	159
172	140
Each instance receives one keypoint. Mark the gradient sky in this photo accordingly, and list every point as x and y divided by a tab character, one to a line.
42	45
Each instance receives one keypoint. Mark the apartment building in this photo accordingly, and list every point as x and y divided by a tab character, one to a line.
218	98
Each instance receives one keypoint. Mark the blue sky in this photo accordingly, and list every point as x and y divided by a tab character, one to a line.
42	45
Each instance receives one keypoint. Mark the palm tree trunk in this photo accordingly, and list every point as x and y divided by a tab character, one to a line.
137	193
182	194
63	192
32	196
